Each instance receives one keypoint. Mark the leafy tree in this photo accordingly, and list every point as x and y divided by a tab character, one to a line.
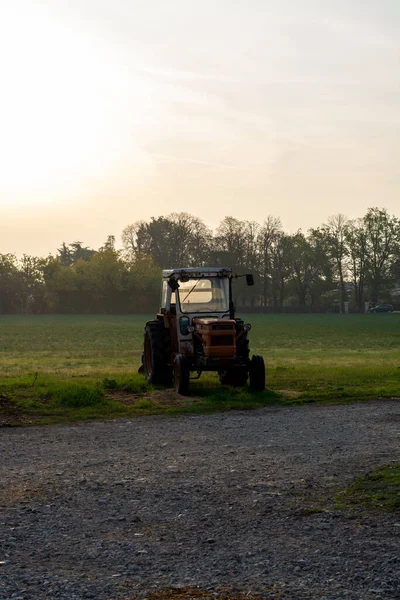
309	268
101	280
9	284
65	255
109	244
382	233
61	286
357	246
30	276
68	255
365	252
142	285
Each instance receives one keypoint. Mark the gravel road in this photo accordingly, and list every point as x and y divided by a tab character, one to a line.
118	509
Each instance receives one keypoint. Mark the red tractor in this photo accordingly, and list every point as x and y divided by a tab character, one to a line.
196	330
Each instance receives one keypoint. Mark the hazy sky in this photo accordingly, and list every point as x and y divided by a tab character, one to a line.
117	110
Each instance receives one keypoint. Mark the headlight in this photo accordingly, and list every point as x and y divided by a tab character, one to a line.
190	329
247	327
184	324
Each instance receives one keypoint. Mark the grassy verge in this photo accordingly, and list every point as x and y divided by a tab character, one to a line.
46	399
55	368
376	491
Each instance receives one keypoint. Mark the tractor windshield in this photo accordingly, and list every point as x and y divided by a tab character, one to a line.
204	295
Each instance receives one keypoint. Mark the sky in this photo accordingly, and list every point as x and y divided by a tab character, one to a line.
113	111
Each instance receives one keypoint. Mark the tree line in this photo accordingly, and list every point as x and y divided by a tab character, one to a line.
341	261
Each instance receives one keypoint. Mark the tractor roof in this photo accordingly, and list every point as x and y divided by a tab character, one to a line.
194	272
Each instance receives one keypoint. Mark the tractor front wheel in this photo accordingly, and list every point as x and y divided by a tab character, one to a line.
181	374
257	373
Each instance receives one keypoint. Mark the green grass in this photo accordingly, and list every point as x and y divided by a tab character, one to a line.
55	367
376	491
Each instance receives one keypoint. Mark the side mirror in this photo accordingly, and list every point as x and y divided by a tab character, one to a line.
249	279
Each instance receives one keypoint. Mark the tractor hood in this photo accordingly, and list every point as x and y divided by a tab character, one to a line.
218	336
214	323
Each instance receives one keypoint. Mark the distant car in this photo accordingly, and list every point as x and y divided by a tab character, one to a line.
381	308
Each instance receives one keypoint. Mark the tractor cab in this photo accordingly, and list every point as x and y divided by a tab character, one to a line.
196	330
195	292
191	298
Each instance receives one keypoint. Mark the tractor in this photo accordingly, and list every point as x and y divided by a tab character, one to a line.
196	330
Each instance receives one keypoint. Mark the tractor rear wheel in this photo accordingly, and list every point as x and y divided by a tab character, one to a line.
181	374
157	353
257	373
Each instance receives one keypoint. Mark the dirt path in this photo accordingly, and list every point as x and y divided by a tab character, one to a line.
121	509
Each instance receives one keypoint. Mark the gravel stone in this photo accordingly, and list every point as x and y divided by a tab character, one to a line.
119	509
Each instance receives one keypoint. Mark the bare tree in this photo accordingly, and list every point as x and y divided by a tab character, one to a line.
133	240
268	255
335	234
357	245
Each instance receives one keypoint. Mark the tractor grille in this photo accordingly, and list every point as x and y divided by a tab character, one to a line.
222	340
222	327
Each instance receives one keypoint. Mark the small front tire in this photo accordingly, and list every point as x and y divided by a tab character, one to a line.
181	374
257	373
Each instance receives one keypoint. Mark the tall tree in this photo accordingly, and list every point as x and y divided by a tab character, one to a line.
71	253
109	244
383	243
268	257
357	245
102	279
65	255
176	240
309	267
142	285
189	240
31	287
9	283
280	268
335	236
136	241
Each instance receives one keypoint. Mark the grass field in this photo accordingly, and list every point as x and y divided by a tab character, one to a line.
48	363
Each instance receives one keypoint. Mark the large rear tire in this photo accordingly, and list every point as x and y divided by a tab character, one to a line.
181	374
257	373
157	352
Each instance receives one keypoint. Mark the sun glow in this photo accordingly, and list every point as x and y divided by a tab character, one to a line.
59	109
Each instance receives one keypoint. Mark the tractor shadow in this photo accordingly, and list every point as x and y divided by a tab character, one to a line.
204	395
